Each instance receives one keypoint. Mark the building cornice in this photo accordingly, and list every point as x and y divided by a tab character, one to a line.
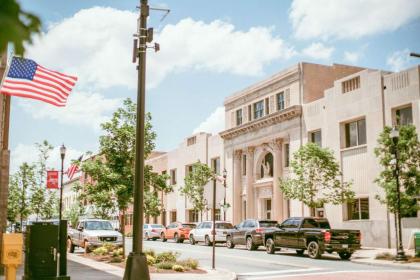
277	117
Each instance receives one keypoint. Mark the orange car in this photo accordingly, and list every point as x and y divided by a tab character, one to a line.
177	231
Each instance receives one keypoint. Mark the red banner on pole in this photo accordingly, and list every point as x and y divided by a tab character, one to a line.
52	179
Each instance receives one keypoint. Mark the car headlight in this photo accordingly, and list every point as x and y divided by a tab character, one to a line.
119	238
92	238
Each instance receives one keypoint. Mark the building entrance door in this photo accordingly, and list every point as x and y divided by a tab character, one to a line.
267	209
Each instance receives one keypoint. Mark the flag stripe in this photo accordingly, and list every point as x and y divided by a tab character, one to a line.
58	73
32	96
51	79
38	86
25	88
65	80
48	83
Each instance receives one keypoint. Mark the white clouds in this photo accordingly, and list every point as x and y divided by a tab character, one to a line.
215	47
214	123
399	60
318	51
29	153
83	109
352	57
96	45
347	19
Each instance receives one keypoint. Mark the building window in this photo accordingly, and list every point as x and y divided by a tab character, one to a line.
244	165
267	106
268	208
259	109
280	101
355	133
173	176
192	216
249	113
404	116
173	216
188	169
286	155
351	84
244	210
217	215
215	165
358	209
315	137
239	117
191	141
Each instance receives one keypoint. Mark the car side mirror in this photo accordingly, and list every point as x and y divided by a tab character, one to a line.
116	229
80	228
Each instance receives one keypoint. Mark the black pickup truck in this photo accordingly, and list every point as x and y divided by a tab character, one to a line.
314	235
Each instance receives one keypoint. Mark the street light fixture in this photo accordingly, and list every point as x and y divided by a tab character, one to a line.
62	155
395	134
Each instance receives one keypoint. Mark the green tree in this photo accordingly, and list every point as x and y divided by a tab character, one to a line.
14	200
194	184
50	209
408	149
39	194
154	183
112	172
315	180
22	181
16	26
73	214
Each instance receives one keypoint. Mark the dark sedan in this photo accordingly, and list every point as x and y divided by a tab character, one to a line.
249	233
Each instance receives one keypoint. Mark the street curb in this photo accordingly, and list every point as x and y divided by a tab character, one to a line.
232	276
399	265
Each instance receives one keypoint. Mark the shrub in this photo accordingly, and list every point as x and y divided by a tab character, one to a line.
100	251
109	246
384	256
150	260
165	265
177	267
117	259
117	252
188	263
167	257
150	252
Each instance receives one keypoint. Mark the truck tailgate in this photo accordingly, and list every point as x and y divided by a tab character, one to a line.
344	236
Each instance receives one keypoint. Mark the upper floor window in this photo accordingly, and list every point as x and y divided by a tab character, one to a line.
280	101
173	176
259	109
315	137
351	84
191	141
286	155
239	117
358	209
355	133
267	106
243	164
215	165
404	116
188	169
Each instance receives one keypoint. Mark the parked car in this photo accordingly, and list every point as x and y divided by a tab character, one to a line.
91	233
177	231
203	232
314	235
152	231
249	233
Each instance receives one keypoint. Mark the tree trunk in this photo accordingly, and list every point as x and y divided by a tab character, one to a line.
123	231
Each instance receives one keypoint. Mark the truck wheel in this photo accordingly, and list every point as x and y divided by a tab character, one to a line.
86	246
229	242
269	246
313	250
344	255
162	237
207	241
70	246
300	252
250	246
176	239
146	236
192	241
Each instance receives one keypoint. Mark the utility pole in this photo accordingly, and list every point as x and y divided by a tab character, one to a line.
136	267
213	232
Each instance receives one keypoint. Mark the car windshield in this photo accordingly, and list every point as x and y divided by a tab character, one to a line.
224	226
157	226
189	225
98	225
268	224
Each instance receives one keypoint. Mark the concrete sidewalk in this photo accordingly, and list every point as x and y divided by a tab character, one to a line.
368	255
119	272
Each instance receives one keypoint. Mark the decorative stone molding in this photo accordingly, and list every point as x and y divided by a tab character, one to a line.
276	144
250	150
277	117
237	154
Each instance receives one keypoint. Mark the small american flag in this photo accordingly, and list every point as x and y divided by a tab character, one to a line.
28	79
74	167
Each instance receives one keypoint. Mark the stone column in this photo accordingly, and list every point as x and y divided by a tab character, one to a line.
250	197
237	187
278	201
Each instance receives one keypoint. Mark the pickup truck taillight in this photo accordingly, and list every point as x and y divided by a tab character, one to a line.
359	237
327	236
259	230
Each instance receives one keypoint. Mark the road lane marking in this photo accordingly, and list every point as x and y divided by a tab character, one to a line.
272	272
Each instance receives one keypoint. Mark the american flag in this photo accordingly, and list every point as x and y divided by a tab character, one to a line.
28	79
74	167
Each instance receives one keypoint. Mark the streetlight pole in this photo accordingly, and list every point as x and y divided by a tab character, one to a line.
213	260
62	155
400	250
224	198
136	267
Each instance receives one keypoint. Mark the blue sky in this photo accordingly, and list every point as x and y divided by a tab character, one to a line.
209	50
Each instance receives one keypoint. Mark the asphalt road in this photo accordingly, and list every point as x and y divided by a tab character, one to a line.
258	265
